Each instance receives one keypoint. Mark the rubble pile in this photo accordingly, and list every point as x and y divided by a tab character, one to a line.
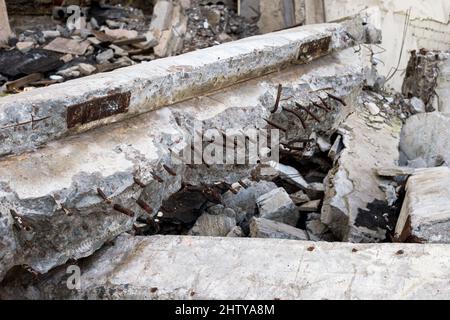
214	24
108	37
356	164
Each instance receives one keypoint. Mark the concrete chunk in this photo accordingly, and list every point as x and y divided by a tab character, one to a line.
424	139
213	225
264	228
241	268
278	206
425	215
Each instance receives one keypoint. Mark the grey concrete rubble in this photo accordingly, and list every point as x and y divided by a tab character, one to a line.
316	230
354	204
424	140
50	113
427	77
212	225
425	215
299	197
168	27
260	267
278	206
92	183
264	228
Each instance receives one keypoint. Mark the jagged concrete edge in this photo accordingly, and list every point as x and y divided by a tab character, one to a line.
196	268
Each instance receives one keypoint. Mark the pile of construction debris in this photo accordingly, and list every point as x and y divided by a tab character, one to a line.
107	37
356	164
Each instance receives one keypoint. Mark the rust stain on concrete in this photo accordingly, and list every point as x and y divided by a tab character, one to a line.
98	108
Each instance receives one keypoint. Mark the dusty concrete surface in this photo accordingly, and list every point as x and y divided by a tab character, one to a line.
236	268
425	214
353	205
66	216
29	120
424	140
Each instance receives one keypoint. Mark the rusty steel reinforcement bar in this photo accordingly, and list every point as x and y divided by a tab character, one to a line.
31	119
102	180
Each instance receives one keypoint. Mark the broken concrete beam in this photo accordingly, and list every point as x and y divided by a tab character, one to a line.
5	29
90	183
428	78
265	228
425	215
424	140
354	204
82	104
241	268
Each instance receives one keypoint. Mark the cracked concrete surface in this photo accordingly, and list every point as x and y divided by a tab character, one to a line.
64	217
137	268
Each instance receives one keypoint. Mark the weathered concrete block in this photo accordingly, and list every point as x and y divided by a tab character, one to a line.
240	268
276	205
264	228
425	215
424	140
31	119
353	199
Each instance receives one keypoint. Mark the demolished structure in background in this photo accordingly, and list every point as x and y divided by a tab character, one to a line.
357	164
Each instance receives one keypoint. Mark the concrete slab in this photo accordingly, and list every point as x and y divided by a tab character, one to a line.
55	190
191	268
425	215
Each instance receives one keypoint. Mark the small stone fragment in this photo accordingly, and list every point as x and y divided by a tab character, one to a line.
373	108
299	197
263	228
105	56
323	144
417	105
236	232
278	206
312	206
86	69
213	225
